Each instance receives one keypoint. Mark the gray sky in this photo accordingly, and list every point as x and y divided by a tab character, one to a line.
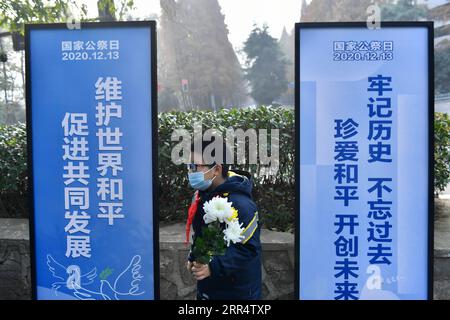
240	15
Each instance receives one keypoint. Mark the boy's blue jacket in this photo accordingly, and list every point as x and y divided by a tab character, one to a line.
237	274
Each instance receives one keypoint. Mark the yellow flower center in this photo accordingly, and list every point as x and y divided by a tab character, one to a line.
234	214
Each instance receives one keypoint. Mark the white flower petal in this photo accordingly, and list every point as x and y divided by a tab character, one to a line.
218	209
233	232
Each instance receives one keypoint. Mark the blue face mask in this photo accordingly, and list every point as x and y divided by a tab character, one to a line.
198	182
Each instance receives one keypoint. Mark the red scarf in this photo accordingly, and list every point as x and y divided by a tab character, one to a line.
191	214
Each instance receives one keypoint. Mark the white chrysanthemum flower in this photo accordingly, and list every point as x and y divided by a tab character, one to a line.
208	218
217	209
233	232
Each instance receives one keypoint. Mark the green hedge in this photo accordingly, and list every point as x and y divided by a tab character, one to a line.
441	151
13	171
274	195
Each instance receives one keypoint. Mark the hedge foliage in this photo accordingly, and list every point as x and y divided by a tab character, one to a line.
274	195
441	151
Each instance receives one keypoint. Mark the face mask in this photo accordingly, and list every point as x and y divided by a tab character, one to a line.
198	182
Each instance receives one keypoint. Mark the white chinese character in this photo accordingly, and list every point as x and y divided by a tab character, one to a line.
109	140
76	196
109	160
114	44
388	45
109	89
111	211
105	112
102	45
75	149
363	46
375	45
75	124
76	172
338	45
350	45
78	246
78	45
66	45
111	187
90	45
78	222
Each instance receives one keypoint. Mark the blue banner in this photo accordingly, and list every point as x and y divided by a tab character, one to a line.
90	121
364	116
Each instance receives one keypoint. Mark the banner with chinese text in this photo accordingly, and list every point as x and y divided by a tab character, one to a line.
364	125
91	108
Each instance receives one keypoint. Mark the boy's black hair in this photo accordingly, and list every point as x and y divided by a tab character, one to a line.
204	144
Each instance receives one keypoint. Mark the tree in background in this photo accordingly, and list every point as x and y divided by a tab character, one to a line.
442	67
356	10
12	91
110	10
441	152
332	10
194	49
287	44
14	14
403	10
265	66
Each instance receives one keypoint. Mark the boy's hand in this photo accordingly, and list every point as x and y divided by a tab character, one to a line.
200	271
189	266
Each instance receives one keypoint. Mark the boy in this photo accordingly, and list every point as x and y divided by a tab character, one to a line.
237	274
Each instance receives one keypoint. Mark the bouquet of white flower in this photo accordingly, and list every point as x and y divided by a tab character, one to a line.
222	228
